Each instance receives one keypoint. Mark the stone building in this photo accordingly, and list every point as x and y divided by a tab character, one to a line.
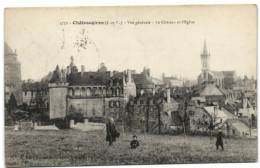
223	79
35	90
143	111
100	94
211	93
12	78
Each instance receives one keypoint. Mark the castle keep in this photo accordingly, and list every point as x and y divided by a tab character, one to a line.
94	94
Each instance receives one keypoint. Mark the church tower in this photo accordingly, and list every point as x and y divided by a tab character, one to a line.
205	62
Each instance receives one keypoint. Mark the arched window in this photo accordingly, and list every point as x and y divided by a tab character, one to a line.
117	91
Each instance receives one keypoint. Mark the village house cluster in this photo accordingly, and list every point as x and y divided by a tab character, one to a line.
218	99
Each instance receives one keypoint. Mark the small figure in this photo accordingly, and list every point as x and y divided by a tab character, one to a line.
112	134
219	140
134	143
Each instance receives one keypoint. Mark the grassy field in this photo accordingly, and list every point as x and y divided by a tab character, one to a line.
75	148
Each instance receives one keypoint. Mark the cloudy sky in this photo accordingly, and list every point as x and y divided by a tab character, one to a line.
42	42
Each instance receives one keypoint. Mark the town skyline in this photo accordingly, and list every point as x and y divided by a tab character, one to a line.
44	43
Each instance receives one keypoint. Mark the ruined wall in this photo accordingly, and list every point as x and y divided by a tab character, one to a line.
58	102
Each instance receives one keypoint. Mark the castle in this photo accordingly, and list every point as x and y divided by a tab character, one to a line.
223	79
98	94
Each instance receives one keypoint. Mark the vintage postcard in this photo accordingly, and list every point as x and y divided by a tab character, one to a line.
130	85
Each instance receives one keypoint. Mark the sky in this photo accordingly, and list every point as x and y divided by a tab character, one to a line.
42	40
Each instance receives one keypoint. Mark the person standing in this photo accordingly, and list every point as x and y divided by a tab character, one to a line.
219	141
112	134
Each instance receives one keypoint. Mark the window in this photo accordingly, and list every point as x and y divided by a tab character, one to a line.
117	104
32	93
25	93
117	91
111	104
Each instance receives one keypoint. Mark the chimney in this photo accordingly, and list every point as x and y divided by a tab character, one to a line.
82	70
123	79
168	93
129	75
153	92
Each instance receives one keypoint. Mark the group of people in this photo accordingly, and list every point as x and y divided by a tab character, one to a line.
112	134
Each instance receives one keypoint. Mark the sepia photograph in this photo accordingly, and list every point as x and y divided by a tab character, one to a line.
130	85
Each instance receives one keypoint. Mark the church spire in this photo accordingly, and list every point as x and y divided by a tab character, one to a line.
205	51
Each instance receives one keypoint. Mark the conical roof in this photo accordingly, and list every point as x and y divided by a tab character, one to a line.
8	50
57	76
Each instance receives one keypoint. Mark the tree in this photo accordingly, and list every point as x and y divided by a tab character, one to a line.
102	68
12	104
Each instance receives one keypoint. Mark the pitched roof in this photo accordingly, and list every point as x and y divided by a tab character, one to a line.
157	81
8	50
220	113
142	80
89	78
167	80
34	86
210	90
217	74
228	73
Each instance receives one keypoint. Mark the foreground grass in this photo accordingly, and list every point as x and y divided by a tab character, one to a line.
75	148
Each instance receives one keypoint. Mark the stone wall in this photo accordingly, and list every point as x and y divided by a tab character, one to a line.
88	107
58	102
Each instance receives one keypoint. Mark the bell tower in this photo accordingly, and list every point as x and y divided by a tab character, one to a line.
205	62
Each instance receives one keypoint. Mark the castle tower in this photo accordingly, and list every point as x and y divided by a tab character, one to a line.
205	62
12	75
58	95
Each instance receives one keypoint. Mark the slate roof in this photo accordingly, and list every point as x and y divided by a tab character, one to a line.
34	86
220	113
240	126
157	81
8	50
89	79
167	80
228	73
217	74
209	90
142	80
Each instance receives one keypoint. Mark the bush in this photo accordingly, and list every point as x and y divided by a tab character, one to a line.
77	117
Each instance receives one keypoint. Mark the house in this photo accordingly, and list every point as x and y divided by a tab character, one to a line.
211	93
236	128
246	109
30	91
172	81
